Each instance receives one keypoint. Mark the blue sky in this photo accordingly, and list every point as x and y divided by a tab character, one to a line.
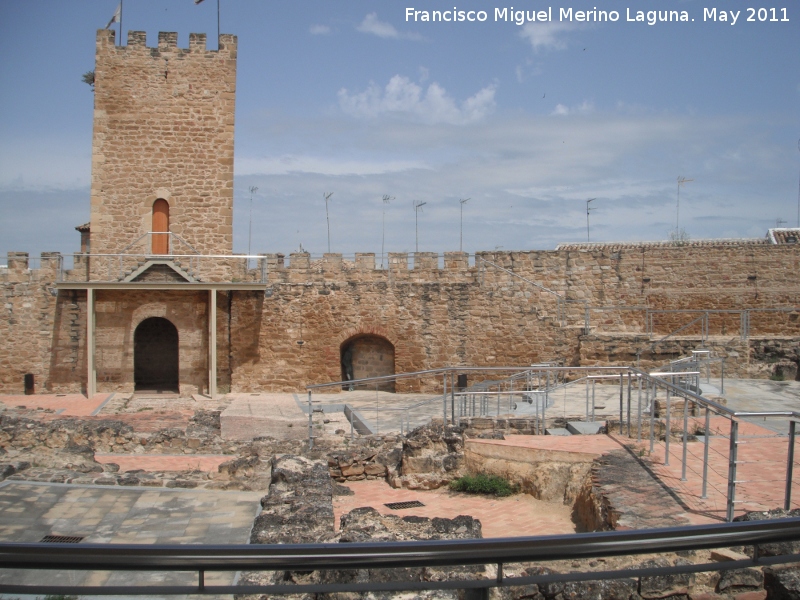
528	121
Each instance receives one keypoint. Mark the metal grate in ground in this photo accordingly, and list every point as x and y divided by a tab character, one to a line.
61	539
402	505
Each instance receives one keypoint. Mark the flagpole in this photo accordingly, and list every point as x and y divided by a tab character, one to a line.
217	23
120	22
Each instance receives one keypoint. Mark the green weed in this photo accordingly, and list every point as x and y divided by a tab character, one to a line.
483	484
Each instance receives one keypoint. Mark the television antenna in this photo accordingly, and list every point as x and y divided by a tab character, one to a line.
587	216
327	217
253	189
417	207
462	202
386	199
779	222
681	181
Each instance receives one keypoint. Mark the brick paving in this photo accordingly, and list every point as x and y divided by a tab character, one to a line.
63	405
150	422
165	462
517	515
760	476
590	444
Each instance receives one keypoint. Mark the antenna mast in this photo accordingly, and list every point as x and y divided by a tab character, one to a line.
587	216
681	181
386	199
327	218
417	207
253	190
461	234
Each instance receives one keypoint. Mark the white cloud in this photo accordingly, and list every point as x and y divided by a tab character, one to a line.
289	163
403	97
584	108
45	164
528	177
373	26
319	30
546	35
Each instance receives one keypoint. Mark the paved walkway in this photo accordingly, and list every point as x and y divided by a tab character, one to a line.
165	462
761	470
517	515
30	511
63	405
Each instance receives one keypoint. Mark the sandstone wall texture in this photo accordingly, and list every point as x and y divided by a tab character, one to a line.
163	129
118	314
459	314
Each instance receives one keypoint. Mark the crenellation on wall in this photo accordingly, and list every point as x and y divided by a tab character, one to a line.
136	39
365	261
167	40
454	315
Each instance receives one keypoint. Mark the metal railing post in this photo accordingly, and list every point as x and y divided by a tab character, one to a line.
666	434
705	454
639	412
787	501
587	398
546	392
621	400
685	435
453	397
593	382
310	423
544	409
652	402
732	456
629	404
444	399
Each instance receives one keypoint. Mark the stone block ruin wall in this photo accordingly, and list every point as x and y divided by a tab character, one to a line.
460	314
167	112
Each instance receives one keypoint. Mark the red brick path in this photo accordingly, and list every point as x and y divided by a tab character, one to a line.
517	515
164	462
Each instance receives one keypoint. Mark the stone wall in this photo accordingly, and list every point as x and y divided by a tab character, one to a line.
163	128
34	321
119	313
292	333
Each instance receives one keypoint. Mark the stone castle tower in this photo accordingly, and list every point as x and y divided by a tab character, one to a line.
162	150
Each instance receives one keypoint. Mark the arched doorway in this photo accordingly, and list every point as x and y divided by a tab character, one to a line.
367	356
160	223
155	356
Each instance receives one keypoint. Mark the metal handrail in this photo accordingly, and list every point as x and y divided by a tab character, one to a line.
385	555
442	370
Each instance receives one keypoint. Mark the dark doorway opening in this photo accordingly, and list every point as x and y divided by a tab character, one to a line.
368	356
155	356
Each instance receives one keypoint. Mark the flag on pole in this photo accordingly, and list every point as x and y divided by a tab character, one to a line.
116	17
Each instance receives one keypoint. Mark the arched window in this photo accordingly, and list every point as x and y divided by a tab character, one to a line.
160	223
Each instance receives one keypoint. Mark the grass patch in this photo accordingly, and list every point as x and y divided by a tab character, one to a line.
483	484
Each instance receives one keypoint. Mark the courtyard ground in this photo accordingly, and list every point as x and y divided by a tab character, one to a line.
29	510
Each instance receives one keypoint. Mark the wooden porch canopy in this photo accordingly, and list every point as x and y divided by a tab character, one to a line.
211	288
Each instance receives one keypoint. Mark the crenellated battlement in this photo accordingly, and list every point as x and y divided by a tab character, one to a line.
21	268
167	42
